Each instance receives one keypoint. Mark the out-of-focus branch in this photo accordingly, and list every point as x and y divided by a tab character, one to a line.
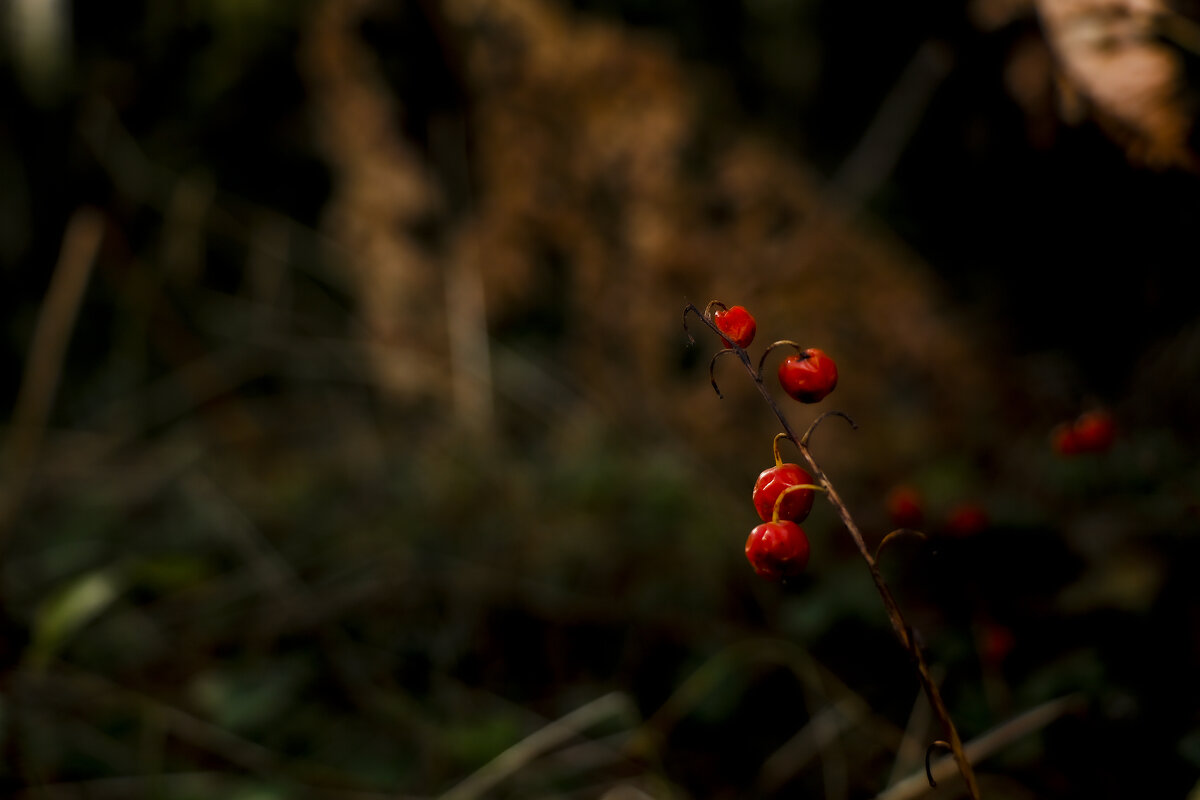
43	363
876	154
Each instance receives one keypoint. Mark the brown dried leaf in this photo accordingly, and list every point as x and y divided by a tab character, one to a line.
1110	51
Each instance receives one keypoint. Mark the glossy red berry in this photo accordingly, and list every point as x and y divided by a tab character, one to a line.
777	550
809	376
771	483
737	324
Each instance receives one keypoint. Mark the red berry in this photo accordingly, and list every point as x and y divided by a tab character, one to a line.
737	324
1095	431
1064	440
808	377
777	550
995	643
771	482
966	520
1092	432
904	506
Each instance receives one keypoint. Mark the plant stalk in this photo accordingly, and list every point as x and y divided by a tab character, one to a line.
899	626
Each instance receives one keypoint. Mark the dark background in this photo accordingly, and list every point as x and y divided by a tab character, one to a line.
294	521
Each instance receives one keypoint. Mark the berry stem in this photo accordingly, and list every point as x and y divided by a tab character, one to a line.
712	375
929	752
896	534
762	360
899	626
708	310
793	488
775	448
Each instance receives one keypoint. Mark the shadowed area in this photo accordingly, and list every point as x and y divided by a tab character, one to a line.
353	445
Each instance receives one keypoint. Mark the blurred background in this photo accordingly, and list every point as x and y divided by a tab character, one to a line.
354	447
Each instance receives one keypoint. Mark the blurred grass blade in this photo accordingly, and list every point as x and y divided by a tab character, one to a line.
986	745
614	705
71	609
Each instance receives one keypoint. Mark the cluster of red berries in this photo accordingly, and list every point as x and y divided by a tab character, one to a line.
906	509
783	494
1091	432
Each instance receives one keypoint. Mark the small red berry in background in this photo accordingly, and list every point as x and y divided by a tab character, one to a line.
1095	431
808	377
777	550
905	507
966	519
995	643
737	324
772	482
1092	432
1063	439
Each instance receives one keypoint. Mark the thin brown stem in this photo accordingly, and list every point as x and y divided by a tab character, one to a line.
990	742
712	366
896	534
928	753
899	626
762	360
795	487
43	366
